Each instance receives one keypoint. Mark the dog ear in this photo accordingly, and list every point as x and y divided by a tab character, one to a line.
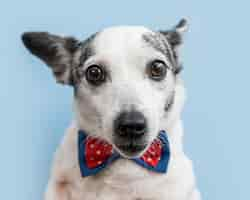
175	39
56	51
175	35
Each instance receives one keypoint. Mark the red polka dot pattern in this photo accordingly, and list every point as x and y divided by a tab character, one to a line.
153	155
97	151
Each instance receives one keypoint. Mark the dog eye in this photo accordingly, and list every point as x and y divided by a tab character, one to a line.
157	70
95	75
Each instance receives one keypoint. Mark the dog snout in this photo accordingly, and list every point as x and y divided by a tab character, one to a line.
130	125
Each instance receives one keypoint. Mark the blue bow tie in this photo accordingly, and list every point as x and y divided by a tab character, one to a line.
95	154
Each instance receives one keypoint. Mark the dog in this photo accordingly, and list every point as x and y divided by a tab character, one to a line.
127	90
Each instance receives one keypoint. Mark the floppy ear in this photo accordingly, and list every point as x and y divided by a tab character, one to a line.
57	52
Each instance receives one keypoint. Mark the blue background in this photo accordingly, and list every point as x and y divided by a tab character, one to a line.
35	111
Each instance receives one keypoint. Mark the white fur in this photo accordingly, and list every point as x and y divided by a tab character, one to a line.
122	49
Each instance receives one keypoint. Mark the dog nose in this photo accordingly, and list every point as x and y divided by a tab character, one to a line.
130	125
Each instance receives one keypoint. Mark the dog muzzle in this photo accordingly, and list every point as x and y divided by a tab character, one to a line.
95	154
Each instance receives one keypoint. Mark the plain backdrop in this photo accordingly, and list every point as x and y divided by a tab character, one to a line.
35	110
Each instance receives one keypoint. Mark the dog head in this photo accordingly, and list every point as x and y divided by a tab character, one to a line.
124	80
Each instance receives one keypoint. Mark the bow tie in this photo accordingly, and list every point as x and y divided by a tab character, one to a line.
95	154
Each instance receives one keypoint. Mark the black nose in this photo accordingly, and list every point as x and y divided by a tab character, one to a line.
130	125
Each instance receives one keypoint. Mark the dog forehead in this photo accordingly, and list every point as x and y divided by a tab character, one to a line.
120	38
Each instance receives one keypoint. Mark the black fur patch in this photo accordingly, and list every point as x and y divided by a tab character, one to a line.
173	37
160	43
87	51
40	44
46	46
58	52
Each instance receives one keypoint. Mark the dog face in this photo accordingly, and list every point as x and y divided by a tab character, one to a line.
123	78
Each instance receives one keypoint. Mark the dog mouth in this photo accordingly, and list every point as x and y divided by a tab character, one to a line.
131	149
